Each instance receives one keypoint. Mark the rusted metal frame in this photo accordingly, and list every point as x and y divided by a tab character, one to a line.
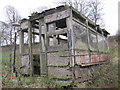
57	32
30	47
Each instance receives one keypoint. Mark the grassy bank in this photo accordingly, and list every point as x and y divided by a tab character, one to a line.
104	76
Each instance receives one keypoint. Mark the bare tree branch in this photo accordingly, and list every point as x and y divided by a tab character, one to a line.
12	17
90	8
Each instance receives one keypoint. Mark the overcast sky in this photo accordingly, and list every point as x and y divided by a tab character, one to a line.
25	7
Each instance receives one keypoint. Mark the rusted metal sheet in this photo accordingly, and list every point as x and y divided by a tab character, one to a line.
56	16
59	72
82	57
25	64
94	58
57	59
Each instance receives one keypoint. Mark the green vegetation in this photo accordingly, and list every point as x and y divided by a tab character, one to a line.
61	52
104	76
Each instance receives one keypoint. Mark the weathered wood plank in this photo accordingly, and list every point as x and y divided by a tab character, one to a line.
30	47
70	29
57	32
57	48
55	59
43	56
56	16
25	64
21	48
40	42
57	72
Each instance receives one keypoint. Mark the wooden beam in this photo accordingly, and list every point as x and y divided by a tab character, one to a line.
26	30
21	48
57	32
40	44
43	56
72	52
30	47
70	29
57	48
56	16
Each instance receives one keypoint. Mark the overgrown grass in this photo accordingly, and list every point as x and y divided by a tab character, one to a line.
106	76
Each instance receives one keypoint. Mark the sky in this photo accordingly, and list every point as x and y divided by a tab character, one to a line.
25	7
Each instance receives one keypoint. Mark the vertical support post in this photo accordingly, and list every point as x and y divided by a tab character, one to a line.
72	57
14	60
70	29
30	47
43	54
21	42
40	43
54	37
88	40
45	70
33	36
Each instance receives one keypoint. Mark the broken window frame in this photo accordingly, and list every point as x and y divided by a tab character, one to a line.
93	35
105	46
100	43
56	38
83	32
